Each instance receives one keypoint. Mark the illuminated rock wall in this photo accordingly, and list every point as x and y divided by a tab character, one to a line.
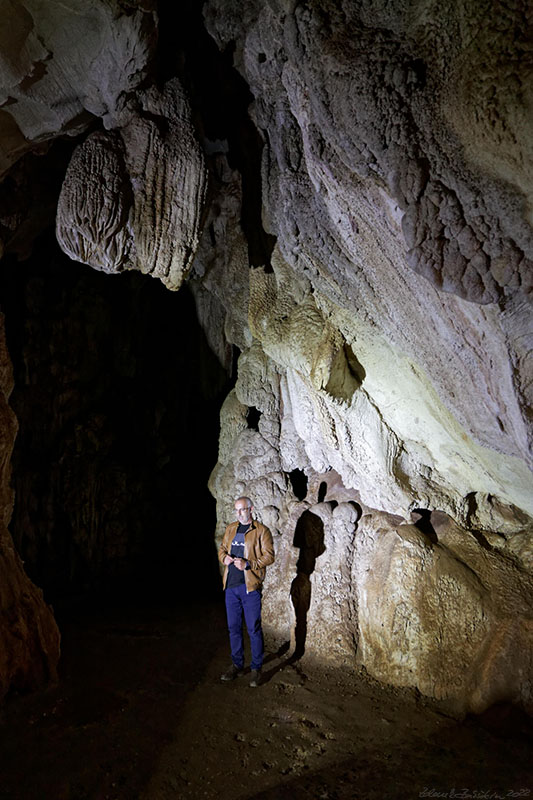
391	338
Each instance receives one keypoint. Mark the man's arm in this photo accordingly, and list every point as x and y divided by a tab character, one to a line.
223	552
266	547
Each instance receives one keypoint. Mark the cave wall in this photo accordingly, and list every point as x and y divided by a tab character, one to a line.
382	325
30	638
391	333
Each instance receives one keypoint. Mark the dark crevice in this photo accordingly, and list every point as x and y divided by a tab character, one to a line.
358	509
298	481
252	418
113	421
471	506
322	492
482	541
354	365
424	524
235	353
417	73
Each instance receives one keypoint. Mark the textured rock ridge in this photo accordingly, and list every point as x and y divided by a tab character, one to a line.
378	107
134	199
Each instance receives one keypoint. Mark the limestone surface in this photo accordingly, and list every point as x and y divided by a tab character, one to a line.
64	64
392	336
424	588
134	199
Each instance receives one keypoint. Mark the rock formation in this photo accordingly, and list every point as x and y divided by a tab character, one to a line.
29	650
135	200
63	65
385	371
389	338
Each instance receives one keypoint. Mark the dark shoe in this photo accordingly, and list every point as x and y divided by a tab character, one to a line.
255	678
232	673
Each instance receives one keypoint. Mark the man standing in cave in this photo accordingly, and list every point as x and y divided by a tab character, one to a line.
246	550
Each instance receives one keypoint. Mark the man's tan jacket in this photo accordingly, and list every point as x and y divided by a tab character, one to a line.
258	551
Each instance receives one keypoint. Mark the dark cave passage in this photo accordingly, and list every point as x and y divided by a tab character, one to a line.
117	397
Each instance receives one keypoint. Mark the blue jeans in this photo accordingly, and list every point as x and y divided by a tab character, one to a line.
237	603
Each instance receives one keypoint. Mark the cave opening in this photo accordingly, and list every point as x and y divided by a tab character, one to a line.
422	520
117	396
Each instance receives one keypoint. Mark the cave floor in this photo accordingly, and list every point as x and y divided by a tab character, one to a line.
140	712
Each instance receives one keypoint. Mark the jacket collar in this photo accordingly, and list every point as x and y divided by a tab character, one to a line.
251	528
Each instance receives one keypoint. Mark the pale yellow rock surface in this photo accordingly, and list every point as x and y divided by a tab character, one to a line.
427	616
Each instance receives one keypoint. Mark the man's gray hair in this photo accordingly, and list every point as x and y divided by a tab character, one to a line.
247	499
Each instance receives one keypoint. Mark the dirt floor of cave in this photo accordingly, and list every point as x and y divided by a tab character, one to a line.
140	712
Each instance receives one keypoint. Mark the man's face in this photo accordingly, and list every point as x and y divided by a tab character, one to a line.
244	512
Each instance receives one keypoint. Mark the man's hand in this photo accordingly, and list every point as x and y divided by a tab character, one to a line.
240	563
228	560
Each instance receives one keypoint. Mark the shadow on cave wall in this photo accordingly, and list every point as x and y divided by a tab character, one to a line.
309	538
117	396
